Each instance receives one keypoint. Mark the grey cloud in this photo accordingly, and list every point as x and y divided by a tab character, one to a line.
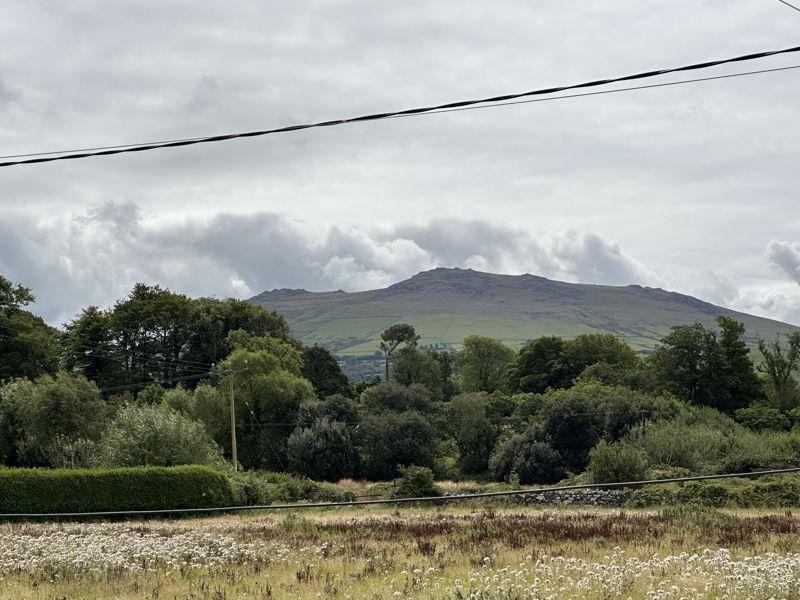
95	257
786	256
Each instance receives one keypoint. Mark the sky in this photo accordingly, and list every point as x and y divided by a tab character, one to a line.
692	188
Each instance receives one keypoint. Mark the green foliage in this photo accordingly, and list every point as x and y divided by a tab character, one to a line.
28	346
412	366
334	408
396	397
45	419
538	366
85	490
761	417
616	462
782	491
778	365
704	369
528	458
264	377
388	440
415	482
472	430
483	364
392	338
323	451
324	373
155	435
264	487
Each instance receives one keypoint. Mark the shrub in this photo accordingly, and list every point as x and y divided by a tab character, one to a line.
700	449
155	435
761	417
87	490
529	458
415	482
388	439
323	451
616	462
705	494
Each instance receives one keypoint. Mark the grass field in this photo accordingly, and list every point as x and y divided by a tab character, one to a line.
413	553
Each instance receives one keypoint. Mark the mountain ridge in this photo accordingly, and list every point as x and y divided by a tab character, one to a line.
446	304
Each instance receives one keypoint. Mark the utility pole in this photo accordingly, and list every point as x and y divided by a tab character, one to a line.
234	458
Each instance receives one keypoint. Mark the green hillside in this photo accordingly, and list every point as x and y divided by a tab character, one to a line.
445	305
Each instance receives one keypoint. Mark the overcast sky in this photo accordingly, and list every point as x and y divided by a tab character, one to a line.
692	188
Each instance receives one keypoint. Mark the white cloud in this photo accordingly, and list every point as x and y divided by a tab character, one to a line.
786	256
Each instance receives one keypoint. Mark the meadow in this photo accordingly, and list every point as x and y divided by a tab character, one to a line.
427	552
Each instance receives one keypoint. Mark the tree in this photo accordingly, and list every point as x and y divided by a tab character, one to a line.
483	364
538	366
591	349
472	430
392	337
264	375
447	368
396	398
323	451
156	435
334	408
685	361
528	457
740	385
28	346
324	373
46	415
778	365
88	348
414	366
388	440
571	427
616	462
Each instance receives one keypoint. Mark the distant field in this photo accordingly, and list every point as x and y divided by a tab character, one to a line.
384	553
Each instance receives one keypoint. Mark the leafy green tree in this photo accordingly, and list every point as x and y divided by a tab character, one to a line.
483	364
778	364
472	430
572	427
324	373
264	375
388	440
740	385
761	417
334	408
528	457
447	369
414	366
595	348
212	320
396	397
393	337
155	435
539	366
45	415
324	451
28	346
88	348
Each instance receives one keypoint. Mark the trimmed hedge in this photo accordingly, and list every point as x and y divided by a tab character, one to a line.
106	489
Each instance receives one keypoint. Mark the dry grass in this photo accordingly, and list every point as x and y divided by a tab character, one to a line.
413	552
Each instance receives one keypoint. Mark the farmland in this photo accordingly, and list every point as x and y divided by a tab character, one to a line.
431	552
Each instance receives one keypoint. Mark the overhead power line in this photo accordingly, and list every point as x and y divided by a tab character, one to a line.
42	157
797	8
458	497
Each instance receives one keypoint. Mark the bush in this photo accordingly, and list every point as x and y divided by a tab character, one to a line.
388	440
264	487
415	482
761	417
323	451
616	462
155	435
87	490
532	460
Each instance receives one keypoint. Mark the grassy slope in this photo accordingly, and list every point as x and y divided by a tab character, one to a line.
446	305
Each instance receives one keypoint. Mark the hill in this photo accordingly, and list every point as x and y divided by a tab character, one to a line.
446	305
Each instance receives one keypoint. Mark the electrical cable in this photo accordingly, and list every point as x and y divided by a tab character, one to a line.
47	156
457	497
797	8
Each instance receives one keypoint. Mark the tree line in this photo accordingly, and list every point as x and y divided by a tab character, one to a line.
149	381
